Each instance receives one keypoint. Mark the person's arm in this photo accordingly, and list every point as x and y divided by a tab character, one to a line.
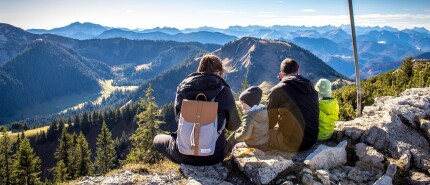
245	131
273	104
229	106
178	103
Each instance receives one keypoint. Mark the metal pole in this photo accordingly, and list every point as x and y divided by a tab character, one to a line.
357	70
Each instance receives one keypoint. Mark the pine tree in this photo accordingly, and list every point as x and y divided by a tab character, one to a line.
141	140
407	66
64	152
26	167
60	172
85	123
105	153
52	131
76	122
5	159
245	84
73	159
18	140
22	135
84	166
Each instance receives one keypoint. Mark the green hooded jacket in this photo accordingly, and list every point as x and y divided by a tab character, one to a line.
329	114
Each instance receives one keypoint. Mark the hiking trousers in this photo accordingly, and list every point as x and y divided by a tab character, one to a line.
166	145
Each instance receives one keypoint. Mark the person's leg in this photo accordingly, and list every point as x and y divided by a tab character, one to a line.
231	142
277	142
165	144
273	139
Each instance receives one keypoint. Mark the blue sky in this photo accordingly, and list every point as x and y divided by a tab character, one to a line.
216	13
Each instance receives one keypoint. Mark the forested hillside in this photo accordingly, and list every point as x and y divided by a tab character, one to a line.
411	74
46	71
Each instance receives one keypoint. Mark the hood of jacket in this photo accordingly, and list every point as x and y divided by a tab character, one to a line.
207	83
299	82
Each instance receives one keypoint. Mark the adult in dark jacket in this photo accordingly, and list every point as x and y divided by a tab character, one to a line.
293	105
207	80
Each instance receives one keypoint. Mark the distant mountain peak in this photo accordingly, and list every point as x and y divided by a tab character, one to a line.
421	29
259	60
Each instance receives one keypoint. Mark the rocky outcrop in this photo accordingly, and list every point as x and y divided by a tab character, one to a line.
392	128
215	174
389	144
127	178
325	157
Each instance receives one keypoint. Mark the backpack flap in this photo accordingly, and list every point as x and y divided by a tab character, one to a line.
202	112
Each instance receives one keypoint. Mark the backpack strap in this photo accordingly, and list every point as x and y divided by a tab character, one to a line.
222	88
224	121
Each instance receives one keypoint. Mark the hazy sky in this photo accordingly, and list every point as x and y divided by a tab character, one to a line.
216	13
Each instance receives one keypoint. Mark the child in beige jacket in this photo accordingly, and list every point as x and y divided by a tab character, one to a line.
254	129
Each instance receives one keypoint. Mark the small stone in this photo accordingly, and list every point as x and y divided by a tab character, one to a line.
387	179
324	176
384	180
391	170
325	157
287	183
418	178
262	169
368	154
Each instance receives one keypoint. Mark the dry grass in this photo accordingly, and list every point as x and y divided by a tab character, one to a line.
163	167
28	133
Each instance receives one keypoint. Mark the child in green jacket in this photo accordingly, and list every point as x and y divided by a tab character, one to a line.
329	109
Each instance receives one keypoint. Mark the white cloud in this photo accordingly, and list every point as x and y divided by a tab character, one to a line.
427	10
308	10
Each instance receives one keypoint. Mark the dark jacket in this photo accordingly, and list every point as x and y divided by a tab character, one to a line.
295	101
210	85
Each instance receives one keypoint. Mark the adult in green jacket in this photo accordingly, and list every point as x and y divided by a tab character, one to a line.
329	110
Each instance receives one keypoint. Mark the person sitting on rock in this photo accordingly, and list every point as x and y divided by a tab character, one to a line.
329	109
208	79
293	107
255	124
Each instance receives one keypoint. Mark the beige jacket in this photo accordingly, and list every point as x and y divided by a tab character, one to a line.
254	128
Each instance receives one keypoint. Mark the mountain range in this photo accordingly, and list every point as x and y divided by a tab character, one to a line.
377	45
42	68
256	60
144	58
